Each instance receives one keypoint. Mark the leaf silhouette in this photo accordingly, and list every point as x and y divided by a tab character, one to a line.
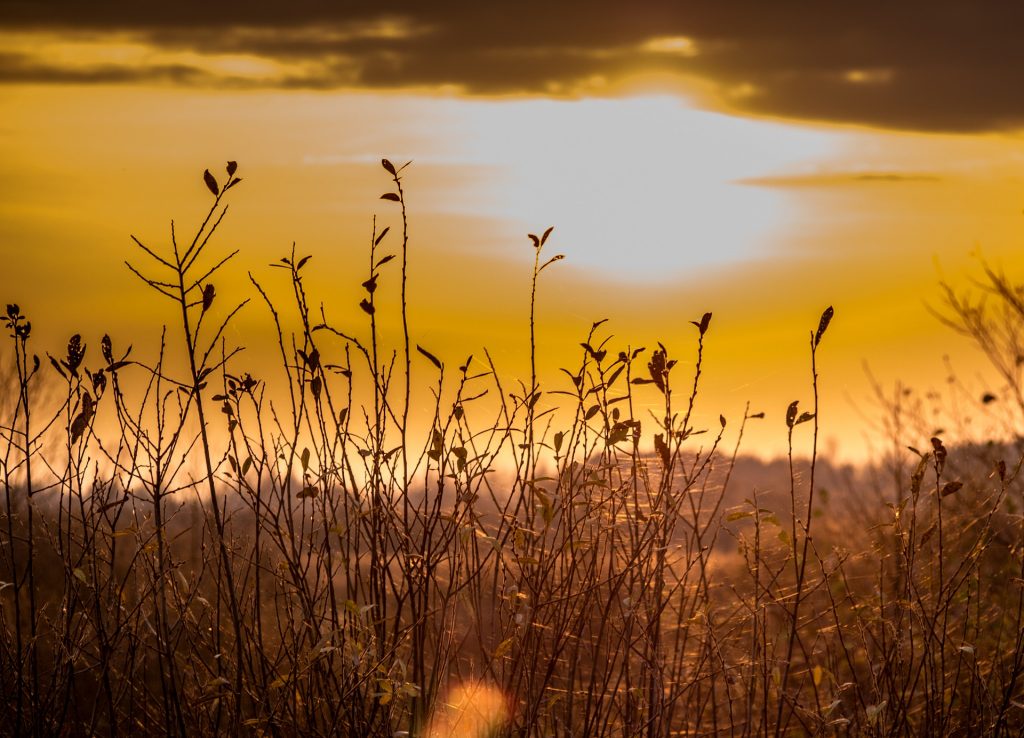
826	318
388	166
81	421
804	417
76	353
232	167
433	359
211	183
549	262
390	196
208	294
702	326
662	448
658	368
791	413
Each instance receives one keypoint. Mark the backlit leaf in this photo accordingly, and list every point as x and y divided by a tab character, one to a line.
504	647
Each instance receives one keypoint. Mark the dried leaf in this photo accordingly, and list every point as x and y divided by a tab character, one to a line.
940	452
57	366
951	488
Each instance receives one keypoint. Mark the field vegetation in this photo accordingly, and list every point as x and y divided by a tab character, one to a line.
187	550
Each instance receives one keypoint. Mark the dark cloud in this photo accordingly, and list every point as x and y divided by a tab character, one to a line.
946	65
18	68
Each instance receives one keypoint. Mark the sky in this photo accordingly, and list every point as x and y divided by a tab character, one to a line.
757	160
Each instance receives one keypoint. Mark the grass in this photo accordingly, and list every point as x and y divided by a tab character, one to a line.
187	551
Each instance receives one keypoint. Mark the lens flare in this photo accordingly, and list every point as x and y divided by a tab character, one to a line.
471	710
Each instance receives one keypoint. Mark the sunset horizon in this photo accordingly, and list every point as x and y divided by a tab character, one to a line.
661	180
392	329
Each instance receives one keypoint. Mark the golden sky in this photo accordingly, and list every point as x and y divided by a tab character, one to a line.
682	175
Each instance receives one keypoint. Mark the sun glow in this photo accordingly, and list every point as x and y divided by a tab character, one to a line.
671	45
637	181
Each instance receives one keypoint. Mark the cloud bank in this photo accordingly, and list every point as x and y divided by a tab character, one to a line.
942	66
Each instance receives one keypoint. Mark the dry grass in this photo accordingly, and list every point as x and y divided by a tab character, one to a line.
209	562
